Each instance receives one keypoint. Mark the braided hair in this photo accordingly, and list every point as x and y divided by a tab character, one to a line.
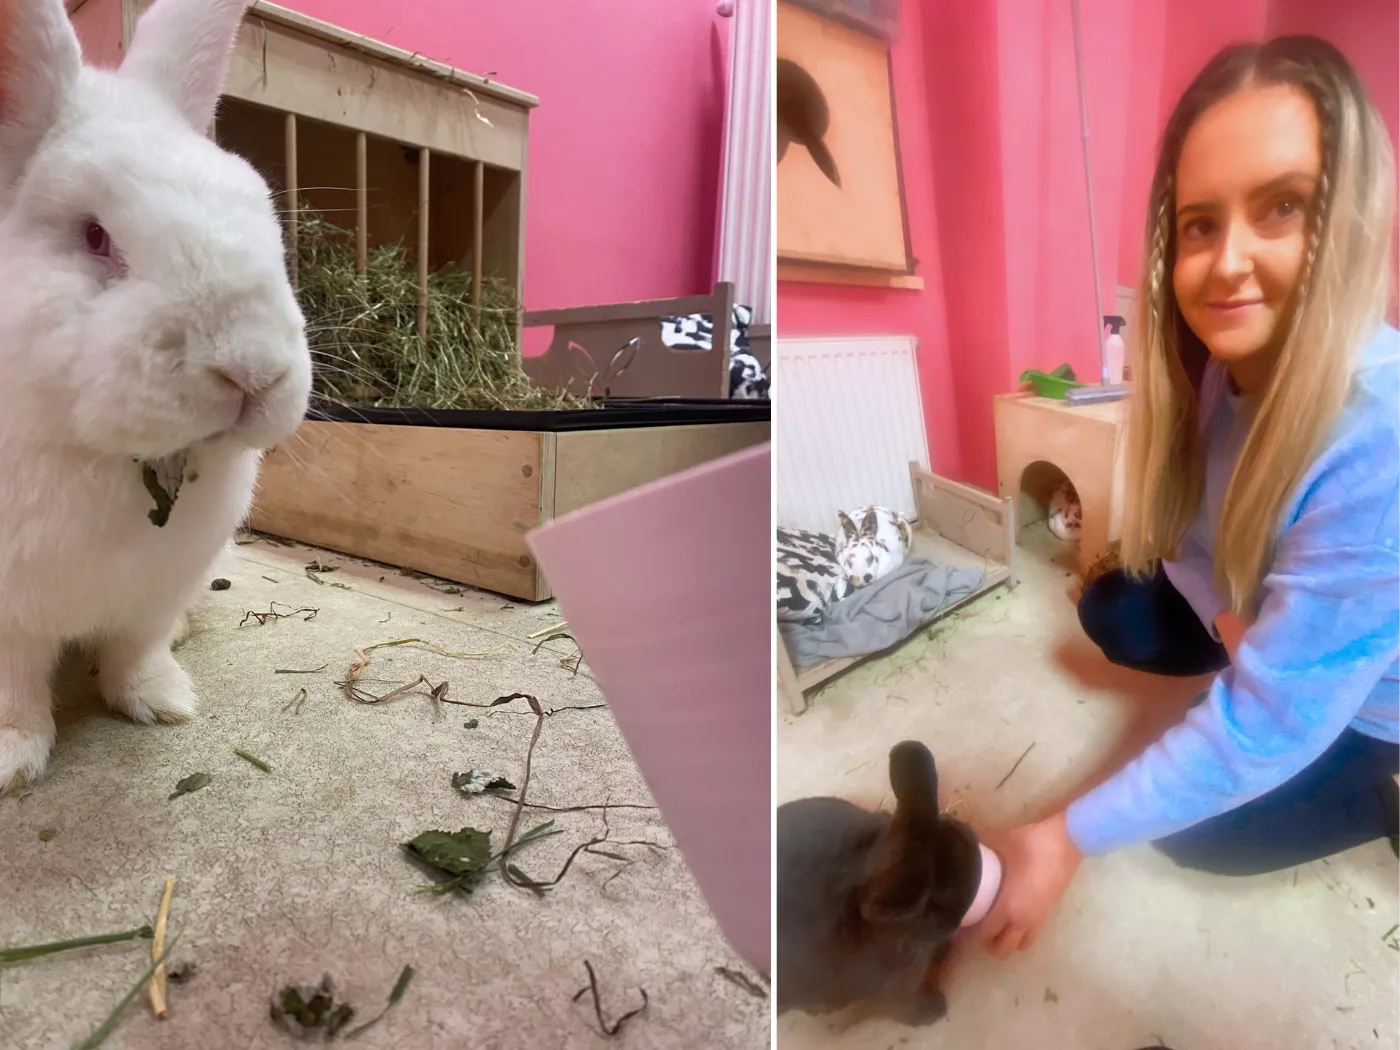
1336	307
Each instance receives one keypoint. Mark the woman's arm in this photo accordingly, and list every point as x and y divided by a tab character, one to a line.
1325	634
1192	573
1298	677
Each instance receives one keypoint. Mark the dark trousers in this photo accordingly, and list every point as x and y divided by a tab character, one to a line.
1345	798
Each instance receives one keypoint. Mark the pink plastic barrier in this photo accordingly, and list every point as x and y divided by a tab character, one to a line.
668	590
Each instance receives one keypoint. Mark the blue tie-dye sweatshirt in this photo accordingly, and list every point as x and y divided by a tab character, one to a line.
1322	653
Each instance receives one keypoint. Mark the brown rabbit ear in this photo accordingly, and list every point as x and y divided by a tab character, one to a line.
914	780
896	897
871	525
848	527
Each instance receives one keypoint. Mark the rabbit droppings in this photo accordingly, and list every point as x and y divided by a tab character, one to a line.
868	902
876	548
148	330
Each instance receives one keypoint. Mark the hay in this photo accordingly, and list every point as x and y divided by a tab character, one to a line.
364	331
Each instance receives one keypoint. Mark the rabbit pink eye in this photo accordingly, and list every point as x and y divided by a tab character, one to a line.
97	240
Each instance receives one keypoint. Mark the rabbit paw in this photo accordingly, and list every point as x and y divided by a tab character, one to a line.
155	690
23	755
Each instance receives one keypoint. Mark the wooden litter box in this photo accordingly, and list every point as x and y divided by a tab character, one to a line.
452	493
957	525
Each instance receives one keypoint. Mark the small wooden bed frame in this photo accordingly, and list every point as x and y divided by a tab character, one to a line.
616	350
956	525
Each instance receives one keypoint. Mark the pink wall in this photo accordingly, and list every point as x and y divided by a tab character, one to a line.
972	257
1367	31
991	142
822	309
1054	315
1172	41
990	139
626	146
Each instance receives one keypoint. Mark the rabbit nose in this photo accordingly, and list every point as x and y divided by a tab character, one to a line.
250	384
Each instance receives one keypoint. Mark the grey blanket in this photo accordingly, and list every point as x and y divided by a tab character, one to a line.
881	614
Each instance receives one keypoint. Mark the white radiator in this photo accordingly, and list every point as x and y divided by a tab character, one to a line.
746	207
848	419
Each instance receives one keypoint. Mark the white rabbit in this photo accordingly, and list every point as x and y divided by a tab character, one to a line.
876	548
1065	516
146	321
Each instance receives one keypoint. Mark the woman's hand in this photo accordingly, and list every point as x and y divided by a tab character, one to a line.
1038	861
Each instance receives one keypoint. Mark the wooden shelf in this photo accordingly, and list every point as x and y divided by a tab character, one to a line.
804	273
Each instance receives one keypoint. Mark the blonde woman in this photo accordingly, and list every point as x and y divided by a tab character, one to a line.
1263	514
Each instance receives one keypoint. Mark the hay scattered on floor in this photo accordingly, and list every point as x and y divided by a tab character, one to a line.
364	331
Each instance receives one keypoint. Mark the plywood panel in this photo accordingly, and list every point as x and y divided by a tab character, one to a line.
454	503
861	221
975	521
616	350
595	464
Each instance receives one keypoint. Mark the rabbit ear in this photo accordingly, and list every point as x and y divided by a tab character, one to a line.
914	780
900	895
848	527
40	61
182	48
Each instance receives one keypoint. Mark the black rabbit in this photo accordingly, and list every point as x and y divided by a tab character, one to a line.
868	902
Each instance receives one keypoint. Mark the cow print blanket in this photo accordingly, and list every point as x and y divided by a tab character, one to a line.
697	332
809	578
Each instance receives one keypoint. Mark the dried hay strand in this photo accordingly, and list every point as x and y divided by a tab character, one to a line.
364	337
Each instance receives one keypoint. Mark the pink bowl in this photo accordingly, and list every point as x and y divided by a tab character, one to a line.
986	890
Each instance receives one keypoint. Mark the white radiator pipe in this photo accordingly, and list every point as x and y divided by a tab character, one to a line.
745	235
1089	189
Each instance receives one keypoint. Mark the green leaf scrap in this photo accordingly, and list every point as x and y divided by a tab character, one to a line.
400	986
33	951
462	855
537	888
254	759
164	500
310	1008
108	1026
190	784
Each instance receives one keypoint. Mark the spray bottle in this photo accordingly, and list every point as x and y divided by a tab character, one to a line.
1113	347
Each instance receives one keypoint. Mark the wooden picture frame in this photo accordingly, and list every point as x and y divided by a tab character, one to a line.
861	224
